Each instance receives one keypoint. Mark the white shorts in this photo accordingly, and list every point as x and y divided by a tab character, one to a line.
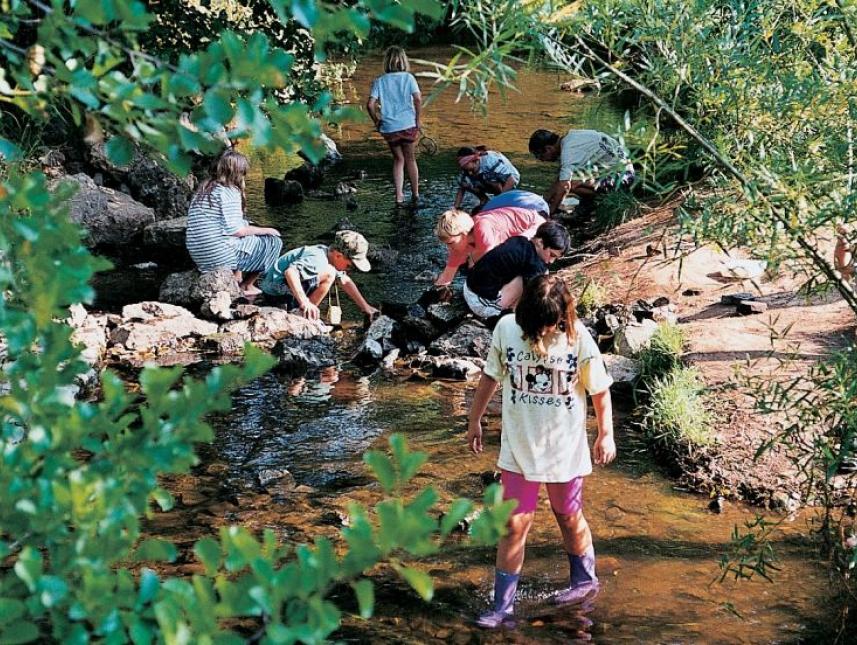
482	307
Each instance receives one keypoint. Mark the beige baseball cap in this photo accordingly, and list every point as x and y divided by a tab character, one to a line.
353	246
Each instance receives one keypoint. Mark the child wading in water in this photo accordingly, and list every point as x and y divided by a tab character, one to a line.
547	362
398	118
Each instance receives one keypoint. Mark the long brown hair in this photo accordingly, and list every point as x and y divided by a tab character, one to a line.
228	170
546	301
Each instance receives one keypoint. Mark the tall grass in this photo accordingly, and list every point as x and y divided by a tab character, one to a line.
663	353
675	412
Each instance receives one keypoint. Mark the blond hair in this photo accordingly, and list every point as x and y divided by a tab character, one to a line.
396	60
228	170
451	223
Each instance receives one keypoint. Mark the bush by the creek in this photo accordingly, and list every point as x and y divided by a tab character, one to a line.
663	353
77	477
675	412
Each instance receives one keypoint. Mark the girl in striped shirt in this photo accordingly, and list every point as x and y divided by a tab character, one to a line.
219	236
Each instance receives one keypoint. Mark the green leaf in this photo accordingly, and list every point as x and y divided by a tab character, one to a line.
218	107
9	151
11	609
420	581
163	498
365	592
382	468
149	586
155	549
209	553
20	631
305	12
120	151
29	567
457	512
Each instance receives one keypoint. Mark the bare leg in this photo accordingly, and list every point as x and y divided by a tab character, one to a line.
398	172
510	549
511	293
583	189
413	170
246	284
576	536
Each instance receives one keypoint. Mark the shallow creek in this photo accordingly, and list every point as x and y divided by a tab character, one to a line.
658	548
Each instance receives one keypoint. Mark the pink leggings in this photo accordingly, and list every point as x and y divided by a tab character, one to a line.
566	497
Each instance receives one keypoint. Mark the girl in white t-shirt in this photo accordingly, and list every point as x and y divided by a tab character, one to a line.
394	106
547	362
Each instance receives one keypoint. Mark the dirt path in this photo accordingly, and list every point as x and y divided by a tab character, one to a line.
645	259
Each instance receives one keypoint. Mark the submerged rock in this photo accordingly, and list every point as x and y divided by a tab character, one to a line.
283	192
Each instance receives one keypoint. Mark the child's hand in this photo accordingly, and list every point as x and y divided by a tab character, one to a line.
605	450
474	436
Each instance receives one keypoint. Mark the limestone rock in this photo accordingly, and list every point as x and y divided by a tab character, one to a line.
621	368
630	339
150	309
218	307
448	314
273	323
114	221
468	339
224	344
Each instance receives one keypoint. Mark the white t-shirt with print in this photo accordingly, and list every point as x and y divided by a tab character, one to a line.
544	401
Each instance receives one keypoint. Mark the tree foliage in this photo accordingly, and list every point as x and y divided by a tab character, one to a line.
77	477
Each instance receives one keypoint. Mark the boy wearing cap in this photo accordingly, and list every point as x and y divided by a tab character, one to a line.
302	277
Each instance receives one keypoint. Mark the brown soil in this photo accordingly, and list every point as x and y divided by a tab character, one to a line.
723	344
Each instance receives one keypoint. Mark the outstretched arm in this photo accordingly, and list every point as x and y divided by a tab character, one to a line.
351	290
558	191
484	391
605	445
293	280
256	230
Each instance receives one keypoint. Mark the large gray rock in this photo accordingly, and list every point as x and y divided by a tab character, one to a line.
468	339
195	290
379	334
301	354
621	368
165	240
147	182
631	339
114	221
283	192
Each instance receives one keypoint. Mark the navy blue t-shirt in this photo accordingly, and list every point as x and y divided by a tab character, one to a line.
515	257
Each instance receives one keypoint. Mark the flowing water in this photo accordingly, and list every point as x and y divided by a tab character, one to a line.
658	548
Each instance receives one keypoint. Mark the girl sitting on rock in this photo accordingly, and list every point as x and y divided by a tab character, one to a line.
484	172
219	236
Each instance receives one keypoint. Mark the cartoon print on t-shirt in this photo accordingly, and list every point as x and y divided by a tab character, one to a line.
540	379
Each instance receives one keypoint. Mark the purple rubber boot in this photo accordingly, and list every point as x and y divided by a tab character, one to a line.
584	583
505	586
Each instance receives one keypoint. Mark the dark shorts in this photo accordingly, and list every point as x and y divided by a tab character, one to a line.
287	300
609	183
400	137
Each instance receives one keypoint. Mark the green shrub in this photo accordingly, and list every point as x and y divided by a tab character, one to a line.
663	353
592	296
675	412
615	208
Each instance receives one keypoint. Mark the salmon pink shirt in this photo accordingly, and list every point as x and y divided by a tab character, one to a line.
492	228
